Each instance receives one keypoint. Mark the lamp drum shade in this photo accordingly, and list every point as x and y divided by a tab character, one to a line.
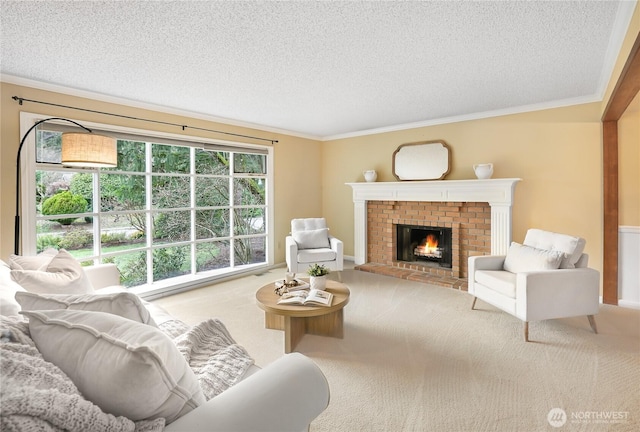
89	150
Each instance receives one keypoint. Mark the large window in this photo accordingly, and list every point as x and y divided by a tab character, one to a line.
171	211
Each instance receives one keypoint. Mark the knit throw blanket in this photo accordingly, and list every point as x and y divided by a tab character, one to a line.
36	395
216	359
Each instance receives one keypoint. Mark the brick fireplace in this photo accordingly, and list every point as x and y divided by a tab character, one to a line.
477	211
470	225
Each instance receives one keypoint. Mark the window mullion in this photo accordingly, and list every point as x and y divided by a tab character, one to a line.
148	190
192	213
95	217
232	206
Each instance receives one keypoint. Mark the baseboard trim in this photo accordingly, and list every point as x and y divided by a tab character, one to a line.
629	304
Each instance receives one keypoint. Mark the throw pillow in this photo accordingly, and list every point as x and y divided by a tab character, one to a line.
570	259
124	304
312	239
63	275
125	367
521	258
37	262
572	247
37	396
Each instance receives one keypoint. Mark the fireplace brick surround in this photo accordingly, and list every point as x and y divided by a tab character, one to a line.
470	224
477	211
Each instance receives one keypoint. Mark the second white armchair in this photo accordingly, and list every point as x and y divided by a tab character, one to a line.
546	277
310	243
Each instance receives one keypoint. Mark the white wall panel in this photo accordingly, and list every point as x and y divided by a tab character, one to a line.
629	266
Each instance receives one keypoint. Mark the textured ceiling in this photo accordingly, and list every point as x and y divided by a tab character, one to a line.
320	69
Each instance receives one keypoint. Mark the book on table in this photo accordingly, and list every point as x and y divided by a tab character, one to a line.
313	297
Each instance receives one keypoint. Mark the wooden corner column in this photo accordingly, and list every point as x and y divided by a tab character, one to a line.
625	90
610	208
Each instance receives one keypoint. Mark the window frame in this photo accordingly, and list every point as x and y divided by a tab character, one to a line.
161	287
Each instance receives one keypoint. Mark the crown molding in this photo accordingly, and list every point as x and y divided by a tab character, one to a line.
469	117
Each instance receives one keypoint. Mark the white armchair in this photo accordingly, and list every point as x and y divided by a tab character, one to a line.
310	243
546	277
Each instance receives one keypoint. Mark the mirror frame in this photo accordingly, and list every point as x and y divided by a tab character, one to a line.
424	160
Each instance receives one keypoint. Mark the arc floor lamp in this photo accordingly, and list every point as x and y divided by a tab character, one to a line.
79	149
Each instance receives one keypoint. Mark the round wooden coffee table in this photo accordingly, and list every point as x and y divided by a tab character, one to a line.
296	321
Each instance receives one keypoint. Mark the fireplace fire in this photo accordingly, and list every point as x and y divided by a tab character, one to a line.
424	245
429	248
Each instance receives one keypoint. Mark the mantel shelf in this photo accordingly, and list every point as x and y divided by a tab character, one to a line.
498	191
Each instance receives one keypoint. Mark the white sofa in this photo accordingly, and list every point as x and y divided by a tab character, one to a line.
546	277
284	396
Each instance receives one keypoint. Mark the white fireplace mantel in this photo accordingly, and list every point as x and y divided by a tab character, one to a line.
497	192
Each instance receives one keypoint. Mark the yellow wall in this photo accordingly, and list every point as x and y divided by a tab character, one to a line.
556	152
297	184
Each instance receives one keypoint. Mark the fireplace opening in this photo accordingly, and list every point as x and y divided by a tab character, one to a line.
425	245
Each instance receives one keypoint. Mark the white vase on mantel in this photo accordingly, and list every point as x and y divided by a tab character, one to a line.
484	170
318	282
370	175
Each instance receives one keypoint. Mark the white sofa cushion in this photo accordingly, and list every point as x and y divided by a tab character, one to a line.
572	247
521	258
312	239
8	289
316	255
63	275
125	367
503	282
32	262
124	304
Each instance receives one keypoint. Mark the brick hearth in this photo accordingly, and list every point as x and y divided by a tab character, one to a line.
471	235
416	276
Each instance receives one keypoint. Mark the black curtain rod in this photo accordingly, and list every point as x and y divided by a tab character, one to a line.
184	127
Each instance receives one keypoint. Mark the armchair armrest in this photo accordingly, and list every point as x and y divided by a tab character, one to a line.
291	254
486	262
102	275
338	246
557	293
482	262
284	396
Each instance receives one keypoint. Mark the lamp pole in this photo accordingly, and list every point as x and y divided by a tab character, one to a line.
17	218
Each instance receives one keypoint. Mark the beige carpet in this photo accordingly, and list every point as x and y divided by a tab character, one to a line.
415	357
